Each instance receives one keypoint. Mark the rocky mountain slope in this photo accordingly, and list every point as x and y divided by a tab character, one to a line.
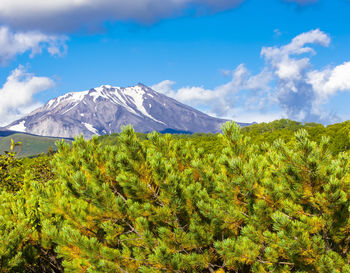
103	110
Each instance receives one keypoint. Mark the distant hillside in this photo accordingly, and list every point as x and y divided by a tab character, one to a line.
31	145
4	133
339	133
264	132
259	133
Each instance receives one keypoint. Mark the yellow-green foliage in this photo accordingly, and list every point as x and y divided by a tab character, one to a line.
21	244
10	178
263	132
285	129
166	204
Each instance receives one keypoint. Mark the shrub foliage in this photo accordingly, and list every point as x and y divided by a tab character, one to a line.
166	205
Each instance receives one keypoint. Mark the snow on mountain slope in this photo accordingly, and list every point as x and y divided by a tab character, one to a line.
104	109
19	127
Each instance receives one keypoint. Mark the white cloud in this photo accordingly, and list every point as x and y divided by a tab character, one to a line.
329	81
295	92
68	14
287	84
13	44
257	116
224	100
241	79
16	95
280	58
164	87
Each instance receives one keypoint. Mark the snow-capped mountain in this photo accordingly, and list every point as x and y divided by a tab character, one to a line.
103	110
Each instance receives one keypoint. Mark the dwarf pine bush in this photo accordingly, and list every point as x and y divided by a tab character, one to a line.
164	205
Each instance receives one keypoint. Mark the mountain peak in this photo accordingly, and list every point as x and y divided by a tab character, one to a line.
105	86
142	85
104	109
108	86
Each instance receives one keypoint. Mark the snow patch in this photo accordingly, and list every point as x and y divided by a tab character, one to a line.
91	128
20	127
69	109
98	92
77	96
106	91
70	97
50	103
136	93
119	97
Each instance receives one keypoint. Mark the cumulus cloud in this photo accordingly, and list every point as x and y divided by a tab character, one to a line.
288	84
291	66
17	94
67	14
13	44
224	100
327	83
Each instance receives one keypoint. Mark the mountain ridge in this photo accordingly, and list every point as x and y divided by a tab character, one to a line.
104	109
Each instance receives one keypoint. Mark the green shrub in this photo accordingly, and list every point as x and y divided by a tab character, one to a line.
164	205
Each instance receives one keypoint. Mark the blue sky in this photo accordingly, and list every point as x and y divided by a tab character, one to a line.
229	58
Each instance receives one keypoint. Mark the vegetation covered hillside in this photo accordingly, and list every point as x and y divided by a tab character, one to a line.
31	145
164	203
284	129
